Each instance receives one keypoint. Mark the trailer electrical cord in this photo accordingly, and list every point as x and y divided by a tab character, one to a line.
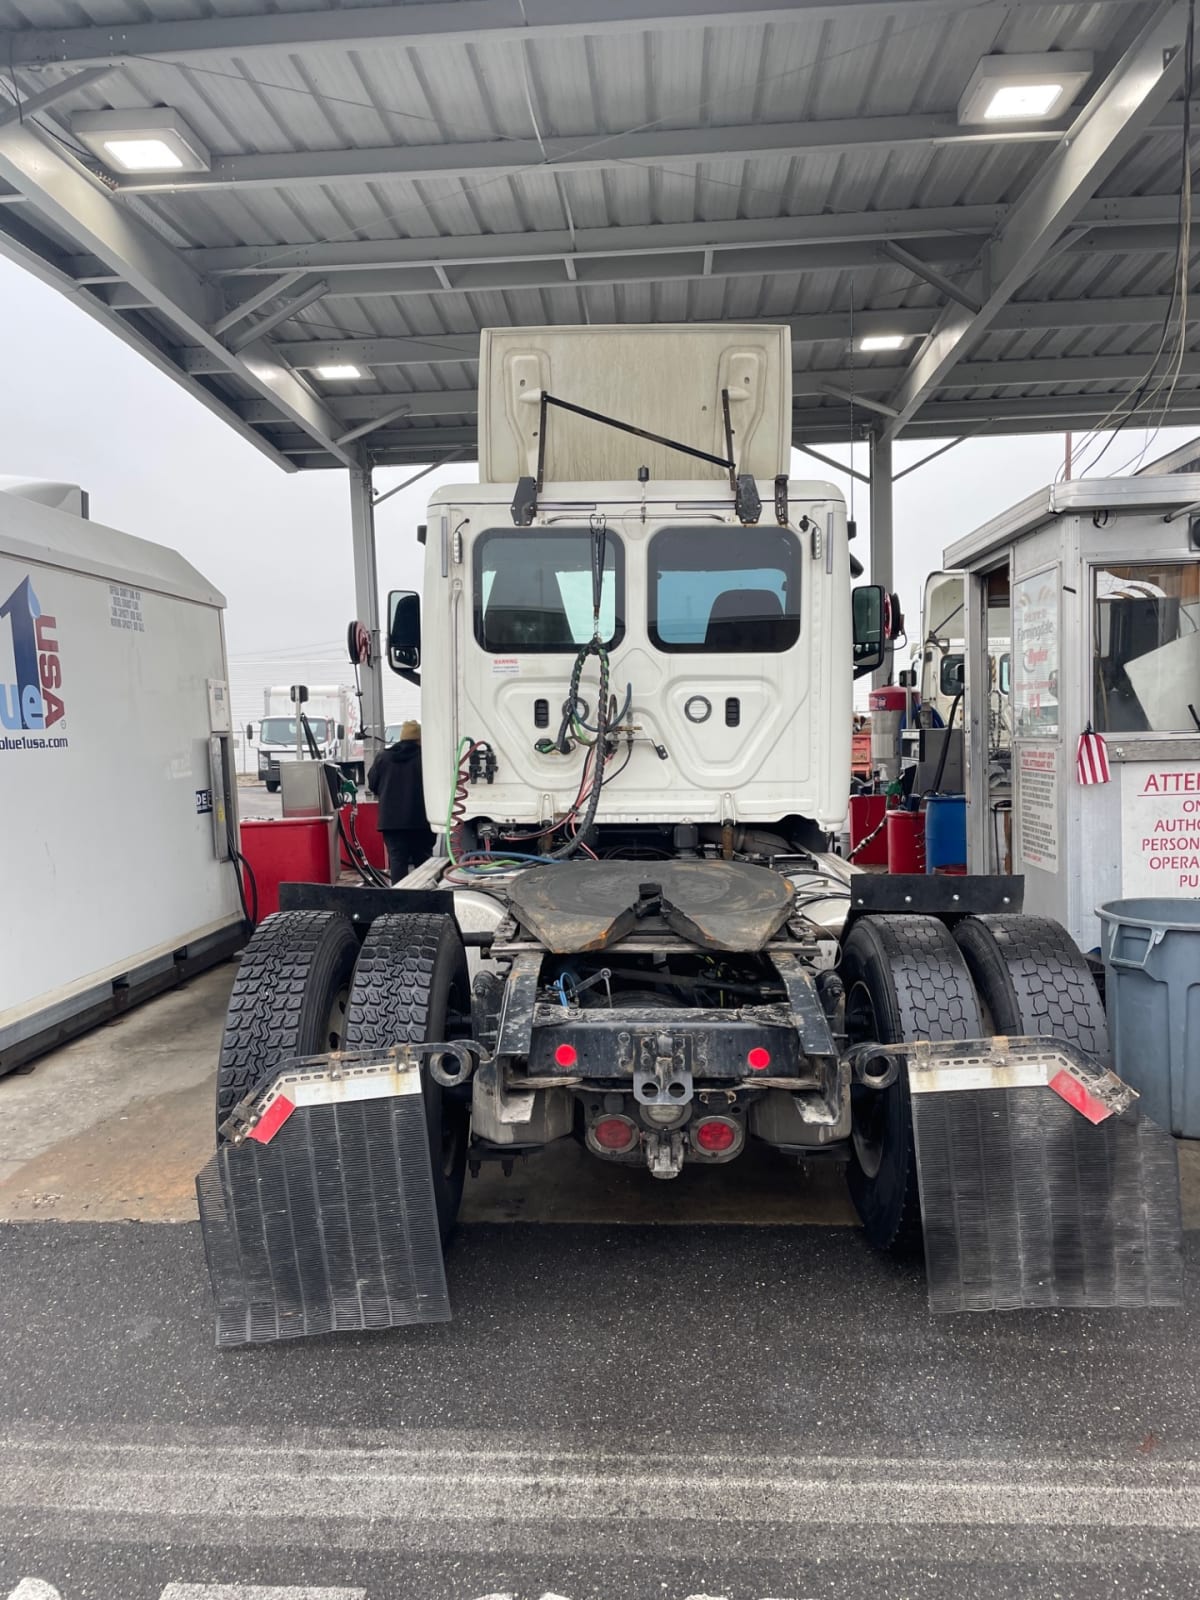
240	865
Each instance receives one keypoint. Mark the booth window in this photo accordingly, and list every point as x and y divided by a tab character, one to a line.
724	591
1146	647
533	591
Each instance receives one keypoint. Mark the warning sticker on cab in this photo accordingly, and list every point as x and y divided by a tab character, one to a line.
506	667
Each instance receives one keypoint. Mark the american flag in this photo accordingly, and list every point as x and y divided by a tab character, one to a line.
1091	758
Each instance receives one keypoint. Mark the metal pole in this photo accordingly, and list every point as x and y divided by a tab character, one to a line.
881	529
366	600
975	705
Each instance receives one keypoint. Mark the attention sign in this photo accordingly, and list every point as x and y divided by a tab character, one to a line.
1160	828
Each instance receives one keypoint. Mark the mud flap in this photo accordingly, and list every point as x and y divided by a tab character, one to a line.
1042	1184
318	1215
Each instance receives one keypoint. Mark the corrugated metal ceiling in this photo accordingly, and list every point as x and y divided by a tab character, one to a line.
423	182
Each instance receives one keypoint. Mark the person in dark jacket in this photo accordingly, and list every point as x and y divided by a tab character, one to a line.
395	776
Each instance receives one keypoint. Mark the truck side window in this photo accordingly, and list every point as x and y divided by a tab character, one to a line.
951	675
729	591
533	591
1146	647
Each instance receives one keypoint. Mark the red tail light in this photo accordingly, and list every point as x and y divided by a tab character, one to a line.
566	1055
616	1134
758	1059
715	1135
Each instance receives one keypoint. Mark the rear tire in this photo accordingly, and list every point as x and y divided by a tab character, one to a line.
411	974
1033	979
272	788
288	999
905	980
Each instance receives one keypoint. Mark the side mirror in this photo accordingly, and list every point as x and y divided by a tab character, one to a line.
1005	674
870	604
250	733
341	730
404	630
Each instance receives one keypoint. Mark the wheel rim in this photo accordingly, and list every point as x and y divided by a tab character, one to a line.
334	1030
868	1107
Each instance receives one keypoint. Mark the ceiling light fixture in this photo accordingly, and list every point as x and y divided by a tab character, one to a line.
1029	88
156	139
339	370
882	341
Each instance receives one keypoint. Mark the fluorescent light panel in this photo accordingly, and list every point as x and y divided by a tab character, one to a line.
338	370
154	139
143	155
1020	101
882	341
1024	88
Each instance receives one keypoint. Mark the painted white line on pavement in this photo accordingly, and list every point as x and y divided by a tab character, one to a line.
243	1591
528	1486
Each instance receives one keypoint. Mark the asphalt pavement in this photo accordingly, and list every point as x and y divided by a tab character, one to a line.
642	1412
648	1391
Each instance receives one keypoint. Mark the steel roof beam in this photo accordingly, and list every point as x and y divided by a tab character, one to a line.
863	385
52	94
71	201
593	152
432	23
587	152
255	302
1145	77
456	348
946	224
1044	414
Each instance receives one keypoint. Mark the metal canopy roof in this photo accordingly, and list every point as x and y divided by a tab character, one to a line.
388	179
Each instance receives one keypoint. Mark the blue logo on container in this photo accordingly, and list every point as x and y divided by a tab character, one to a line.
31	702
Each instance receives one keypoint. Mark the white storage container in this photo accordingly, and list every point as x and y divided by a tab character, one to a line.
115	804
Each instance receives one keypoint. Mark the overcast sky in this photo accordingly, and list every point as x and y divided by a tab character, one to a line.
78	405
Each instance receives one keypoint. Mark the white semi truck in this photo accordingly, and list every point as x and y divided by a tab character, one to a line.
331	712
637	642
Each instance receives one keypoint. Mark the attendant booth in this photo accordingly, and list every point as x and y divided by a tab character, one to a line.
1097	586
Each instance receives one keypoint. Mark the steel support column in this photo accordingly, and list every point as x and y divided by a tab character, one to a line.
881	528
366	601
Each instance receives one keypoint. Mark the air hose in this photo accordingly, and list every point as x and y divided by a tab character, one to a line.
594	647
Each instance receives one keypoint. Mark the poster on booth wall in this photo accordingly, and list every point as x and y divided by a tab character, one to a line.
1035	637
1160	828
1037	806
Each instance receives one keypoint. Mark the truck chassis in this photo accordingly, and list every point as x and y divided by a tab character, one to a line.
951	1052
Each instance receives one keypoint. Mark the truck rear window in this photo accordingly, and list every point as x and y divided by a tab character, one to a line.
729	591
533	590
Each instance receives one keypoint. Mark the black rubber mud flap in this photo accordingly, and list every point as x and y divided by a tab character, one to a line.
330	1227
1027	1203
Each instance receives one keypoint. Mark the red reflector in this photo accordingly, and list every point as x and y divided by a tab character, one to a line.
715	1135
759	1059
614	1133
272	1119
1079	1096
566	1055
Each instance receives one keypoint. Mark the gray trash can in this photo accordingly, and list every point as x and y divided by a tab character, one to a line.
1151	954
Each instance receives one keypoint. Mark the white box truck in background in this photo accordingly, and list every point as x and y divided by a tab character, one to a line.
332	718
116	772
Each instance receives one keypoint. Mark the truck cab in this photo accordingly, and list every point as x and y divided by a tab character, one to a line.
726	644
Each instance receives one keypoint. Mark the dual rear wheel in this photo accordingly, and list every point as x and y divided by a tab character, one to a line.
908	978
306	986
